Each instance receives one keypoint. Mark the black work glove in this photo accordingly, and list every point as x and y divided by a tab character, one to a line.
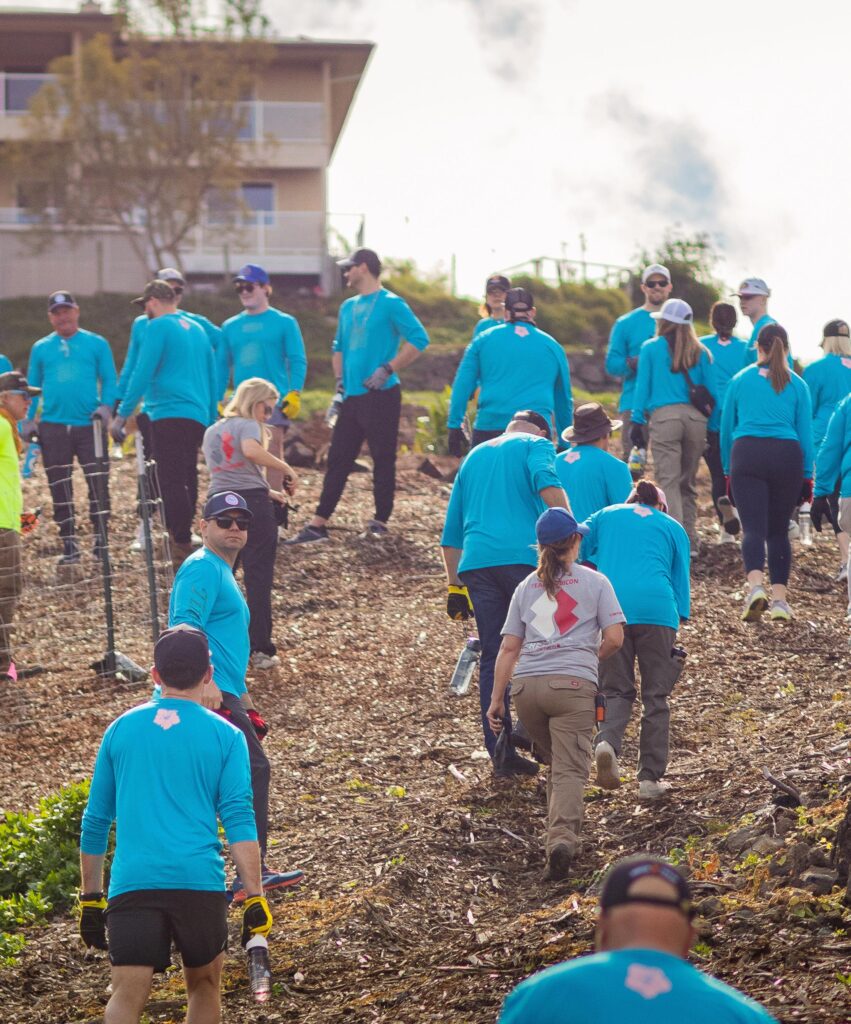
92	920
458	604
456	443
256	918
636	435
821	510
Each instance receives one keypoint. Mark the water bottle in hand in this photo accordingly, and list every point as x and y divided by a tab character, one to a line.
259	971
467	661
333	413
637	462
806	524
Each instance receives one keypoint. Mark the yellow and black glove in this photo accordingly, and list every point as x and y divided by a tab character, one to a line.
458	604
256	918
291	404
92	921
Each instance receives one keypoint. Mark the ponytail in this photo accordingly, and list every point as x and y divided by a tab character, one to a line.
645	492
551	564
773	342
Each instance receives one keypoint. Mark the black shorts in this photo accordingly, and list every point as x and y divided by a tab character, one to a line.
142	925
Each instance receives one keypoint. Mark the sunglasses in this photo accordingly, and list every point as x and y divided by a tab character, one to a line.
245	286
225	522
750	295
23	394
268	409
658	284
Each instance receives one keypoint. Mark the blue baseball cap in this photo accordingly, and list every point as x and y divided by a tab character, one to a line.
253	273
558	524
225	501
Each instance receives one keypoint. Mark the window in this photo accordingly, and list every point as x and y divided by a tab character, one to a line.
253	203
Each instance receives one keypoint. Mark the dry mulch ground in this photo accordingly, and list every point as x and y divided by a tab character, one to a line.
422	900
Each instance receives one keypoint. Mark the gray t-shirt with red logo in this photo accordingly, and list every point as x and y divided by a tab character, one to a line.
229	468
561	636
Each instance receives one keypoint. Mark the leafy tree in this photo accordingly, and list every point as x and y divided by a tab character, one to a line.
692	261
138	134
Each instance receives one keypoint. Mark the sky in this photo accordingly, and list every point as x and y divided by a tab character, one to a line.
495	132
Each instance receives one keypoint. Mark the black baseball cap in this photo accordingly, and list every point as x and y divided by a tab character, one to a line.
182	656
836	329
623	875
530	416
14	381
497	281
367	256
61	298
226	501
156	290
519	300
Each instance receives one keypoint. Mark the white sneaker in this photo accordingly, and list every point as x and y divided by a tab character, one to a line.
648	789
264	662
606	761
794	530
726	538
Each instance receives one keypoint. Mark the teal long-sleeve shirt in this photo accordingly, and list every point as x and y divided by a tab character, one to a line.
752	408
658	385
592	478
495	501
829	381
175	371
727	355
5	364
267	345
164	772
370	329
516	366
629	333
751	353
833	463
645	554
76	375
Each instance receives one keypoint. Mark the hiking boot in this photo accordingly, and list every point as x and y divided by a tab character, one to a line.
262	661
779	611
606	761
558	864
309	535
652	789
376	530
70	552
755	604
271	880
516	765
729	520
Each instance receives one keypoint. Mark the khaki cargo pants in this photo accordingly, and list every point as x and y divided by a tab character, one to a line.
11	585
677	440
558	712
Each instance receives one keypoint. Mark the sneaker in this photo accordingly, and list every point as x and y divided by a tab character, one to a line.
516	765
794	530
755	604
558	864
271	880
261	660
842	575
70	552
309	535
729	520
651	789
779	611
726	538
606	761
376	530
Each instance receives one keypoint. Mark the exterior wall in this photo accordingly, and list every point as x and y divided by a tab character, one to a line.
294	189
293	83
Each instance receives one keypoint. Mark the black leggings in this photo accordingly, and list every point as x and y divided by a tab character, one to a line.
712	458
766	474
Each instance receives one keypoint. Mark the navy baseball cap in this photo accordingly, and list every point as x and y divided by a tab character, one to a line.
557	524
226	501
519	300
182	655
367	256
836	329
623	875
253	273
172	275
497	282
62	298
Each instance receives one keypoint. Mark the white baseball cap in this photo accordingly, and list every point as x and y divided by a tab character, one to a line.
753	286
655	268
677	311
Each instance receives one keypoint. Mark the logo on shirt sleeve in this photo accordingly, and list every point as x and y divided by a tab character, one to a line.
553	617
572	456
165	718
648	982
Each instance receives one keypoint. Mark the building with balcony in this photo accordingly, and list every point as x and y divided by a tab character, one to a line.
290	127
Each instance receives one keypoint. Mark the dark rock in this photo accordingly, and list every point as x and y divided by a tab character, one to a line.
818	857
429	469
791	861
711	906
764	845
299	454
741	838
819	881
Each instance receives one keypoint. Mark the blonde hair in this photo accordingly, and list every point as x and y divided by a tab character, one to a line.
686	350
837	345
247	395
551	562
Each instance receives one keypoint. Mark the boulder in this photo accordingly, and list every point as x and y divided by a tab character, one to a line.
820	881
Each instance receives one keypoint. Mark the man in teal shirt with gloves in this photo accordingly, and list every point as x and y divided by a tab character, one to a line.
377	336
628	335
76	372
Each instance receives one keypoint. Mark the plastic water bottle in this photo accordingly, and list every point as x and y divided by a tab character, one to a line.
637	462
30	460
259	971
459	684
334	409
806	524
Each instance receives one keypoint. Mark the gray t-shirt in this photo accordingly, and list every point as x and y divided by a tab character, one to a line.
229	468
562	636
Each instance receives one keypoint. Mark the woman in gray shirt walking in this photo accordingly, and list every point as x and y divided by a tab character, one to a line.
550	653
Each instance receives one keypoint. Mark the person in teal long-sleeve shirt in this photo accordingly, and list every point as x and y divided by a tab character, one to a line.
753	295
493	308
767	453
833	478
591	476
76	372
5	364
514	365
677	427
628	335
